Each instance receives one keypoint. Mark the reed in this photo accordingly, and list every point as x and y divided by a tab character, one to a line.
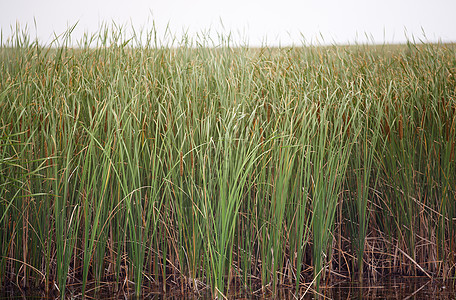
211	167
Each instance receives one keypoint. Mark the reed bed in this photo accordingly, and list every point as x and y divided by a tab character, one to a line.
211	168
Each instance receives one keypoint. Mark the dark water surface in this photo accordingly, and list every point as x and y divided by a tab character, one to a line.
396	288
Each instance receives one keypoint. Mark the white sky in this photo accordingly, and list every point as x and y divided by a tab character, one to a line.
281	22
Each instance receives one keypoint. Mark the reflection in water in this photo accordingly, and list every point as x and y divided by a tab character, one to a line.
396	288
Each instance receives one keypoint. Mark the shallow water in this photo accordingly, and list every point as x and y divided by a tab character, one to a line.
395	288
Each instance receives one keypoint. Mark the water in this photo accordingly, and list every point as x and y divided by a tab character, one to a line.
394	288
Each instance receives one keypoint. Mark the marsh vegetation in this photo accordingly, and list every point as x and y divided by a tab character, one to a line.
208	167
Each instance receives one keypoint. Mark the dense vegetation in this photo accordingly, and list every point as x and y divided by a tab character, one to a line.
217	167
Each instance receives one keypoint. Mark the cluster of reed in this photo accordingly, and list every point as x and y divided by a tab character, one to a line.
224	167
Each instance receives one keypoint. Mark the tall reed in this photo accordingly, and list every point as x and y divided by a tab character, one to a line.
212	167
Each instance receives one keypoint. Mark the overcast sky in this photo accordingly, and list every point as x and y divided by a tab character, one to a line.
281	22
